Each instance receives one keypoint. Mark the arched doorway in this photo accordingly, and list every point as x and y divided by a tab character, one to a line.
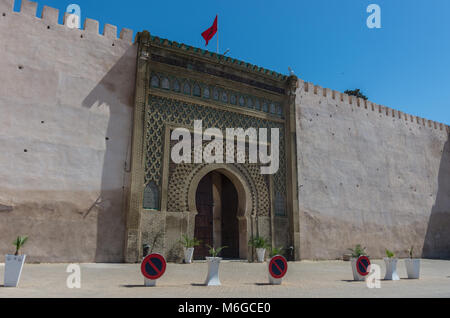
216	222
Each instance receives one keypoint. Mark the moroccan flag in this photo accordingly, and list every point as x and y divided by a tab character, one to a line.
209	34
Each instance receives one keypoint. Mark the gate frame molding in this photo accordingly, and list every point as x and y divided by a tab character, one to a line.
226	72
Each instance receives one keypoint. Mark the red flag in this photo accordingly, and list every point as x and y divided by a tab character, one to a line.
209	34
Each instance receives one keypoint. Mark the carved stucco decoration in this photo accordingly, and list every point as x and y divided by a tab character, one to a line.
162	111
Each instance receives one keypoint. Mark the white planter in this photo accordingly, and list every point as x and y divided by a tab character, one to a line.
213	271
356	275
260	252
413	268
391	269
13	269
188	253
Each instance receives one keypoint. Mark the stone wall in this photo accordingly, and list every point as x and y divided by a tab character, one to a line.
369	174
66	98
366	173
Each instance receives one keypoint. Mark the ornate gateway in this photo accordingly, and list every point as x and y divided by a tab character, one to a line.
220	203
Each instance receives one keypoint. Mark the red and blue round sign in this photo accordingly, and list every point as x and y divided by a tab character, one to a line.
278	267
362	265
153	266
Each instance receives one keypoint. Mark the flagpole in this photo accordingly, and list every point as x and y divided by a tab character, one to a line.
217	41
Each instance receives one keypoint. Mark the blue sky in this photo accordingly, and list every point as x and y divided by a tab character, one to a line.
404	65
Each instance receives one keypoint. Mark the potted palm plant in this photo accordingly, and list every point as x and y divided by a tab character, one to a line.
260	243
212	279
412	265
274	251
189	245
355	254
14	263
391	266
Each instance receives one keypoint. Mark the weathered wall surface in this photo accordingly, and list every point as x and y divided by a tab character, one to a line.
66	99
371	175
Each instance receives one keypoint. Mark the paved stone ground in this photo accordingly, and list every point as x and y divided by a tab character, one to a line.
239	279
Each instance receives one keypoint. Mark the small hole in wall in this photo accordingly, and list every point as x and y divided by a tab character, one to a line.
25	150
107	138
331	116
42	122
357	185
20	67
113	44
48	27
4	14
81	36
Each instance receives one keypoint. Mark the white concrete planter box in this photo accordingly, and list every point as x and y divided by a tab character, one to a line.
413	268
13	269
188	253
260	252
356	275
391	269
213	271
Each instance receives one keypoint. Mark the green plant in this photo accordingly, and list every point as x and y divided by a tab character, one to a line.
258	242
411	251
356	92
276	251
190	242
214	252
390	254
358	251
19	243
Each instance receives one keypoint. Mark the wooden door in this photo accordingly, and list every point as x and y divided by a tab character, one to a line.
204	218
230	225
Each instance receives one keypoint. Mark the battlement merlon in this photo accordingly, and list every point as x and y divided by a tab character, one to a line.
344	99
51	17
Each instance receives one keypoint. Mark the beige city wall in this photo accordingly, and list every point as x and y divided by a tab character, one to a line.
66	99
366	173
369	174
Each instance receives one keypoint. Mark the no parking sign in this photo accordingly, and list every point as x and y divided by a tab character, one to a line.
153	266
278	267
362	265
